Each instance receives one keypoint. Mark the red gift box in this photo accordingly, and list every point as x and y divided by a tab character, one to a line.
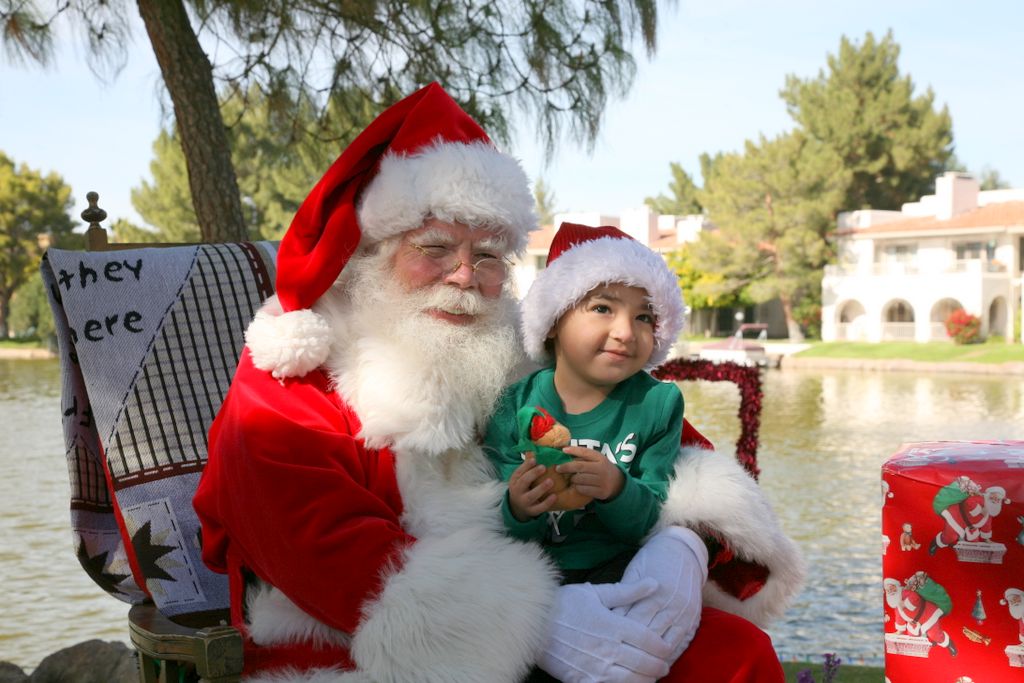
953	562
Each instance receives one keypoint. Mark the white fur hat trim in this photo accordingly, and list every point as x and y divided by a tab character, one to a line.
287	344
586	265
472	183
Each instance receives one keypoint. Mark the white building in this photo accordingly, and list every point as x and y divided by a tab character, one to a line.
662	233
901	273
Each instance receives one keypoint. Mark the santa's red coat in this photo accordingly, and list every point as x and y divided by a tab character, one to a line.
975	525
350	555
915	615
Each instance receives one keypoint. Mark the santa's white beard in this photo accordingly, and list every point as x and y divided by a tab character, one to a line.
994	506
1017	611
413	380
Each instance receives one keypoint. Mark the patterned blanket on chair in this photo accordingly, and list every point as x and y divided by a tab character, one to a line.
149	340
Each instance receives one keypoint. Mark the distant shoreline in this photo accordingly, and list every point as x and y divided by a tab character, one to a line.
900	365
9	353
787	361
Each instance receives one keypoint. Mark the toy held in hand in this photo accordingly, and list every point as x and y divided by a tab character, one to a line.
545	437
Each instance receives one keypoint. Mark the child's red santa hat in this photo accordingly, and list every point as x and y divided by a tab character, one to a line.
580	259
423	156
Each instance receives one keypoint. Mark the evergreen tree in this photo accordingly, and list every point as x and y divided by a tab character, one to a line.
893	143
556	61
33	215
990	179
164	203
772	207
684	195
277	163
30	311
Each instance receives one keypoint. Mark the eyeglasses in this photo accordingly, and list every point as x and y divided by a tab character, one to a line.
489	270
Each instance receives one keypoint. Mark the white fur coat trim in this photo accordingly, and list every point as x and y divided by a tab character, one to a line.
472	183
580	269
482	599
287	344
713	492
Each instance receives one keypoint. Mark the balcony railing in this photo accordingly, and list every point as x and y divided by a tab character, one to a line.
891	269
898	332
937	332
975	265
850	332
877	269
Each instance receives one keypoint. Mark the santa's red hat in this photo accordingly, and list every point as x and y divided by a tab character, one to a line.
580	259
423	156
1010	594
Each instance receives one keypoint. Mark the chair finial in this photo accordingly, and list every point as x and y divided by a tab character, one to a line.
94	214
95	235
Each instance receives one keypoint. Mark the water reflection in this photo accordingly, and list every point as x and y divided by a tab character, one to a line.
50	602
824	436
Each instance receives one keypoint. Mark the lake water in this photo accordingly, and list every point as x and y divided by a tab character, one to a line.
824	436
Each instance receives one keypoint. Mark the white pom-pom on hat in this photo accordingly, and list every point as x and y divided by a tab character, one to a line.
287	344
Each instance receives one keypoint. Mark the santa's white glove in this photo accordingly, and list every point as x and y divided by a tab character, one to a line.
588	642
677	559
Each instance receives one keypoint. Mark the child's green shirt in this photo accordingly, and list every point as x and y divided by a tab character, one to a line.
638	427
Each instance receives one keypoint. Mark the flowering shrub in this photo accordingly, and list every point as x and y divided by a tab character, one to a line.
963	327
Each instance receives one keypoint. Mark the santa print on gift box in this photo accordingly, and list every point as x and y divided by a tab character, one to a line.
1013	598
968	512
918	607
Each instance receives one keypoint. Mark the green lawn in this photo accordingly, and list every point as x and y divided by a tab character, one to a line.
21	344
993	352
846	673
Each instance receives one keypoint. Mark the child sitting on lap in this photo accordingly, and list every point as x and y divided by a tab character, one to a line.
604	310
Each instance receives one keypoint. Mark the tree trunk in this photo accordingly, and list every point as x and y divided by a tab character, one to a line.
5	314
189	79
792	327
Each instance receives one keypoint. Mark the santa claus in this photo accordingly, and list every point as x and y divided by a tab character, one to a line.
967	512
918	607
1013	598
346	495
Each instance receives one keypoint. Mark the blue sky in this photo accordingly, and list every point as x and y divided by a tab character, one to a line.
713	84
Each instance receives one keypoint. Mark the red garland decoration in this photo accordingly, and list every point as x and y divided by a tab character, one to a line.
746	377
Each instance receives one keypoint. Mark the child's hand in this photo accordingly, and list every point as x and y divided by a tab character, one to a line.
593	474
525	500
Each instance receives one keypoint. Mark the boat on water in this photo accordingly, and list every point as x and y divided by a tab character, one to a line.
739	349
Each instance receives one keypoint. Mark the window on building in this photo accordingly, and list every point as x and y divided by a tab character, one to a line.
898	253
972	251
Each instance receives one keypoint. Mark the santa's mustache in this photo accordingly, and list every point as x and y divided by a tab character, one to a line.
451	300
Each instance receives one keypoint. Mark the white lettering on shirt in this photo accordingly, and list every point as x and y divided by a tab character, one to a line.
624	452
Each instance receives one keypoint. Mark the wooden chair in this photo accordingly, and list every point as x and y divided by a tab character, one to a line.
148	339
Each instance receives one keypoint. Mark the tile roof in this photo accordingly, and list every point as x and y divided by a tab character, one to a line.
540	240
993	215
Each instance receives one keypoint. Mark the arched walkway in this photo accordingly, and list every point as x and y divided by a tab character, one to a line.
852	322
898	321
940	311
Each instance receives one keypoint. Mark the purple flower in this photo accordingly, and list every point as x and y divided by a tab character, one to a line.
804	676
832	662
